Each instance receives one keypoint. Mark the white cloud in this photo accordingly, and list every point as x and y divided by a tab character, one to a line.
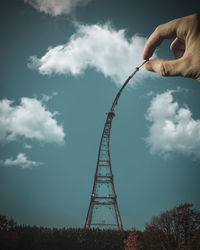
150	93
29	119
46	98
20	161
56	7
27	146
95	46
173	129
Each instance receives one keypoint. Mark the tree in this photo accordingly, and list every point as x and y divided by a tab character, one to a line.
8	235
186	224
5	224
133	242
175	229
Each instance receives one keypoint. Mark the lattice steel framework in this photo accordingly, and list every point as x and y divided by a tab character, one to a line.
103	209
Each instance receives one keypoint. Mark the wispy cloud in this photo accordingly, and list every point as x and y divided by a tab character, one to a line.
29	119
56	7
20	161
172	127
27	146
100	47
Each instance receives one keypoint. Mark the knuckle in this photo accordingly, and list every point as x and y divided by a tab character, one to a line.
198	79
195	17
163	70
194	73
194	22
158	28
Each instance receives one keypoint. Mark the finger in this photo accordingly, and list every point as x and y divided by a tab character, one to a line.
165	67
178	47
163	31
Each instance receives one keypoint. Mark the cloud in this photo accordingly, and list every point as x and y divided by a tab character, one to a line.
172	127
21	161
150	93
27	146
29	119
100	47
56	7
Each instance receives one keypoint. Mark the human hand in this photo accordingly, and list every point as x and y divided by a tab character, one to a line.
186	48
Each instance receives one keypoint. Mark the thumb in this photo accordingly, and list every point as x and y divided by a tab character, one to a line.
165	67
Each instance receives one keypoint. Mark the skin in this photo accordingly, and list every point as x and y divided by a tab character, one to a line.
186	48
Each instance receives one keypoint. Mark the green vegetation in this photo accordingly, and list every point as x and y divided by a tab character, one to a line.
176	229
40	238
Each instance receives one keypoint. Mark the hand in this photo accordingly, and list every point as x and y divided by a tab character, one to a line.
186	48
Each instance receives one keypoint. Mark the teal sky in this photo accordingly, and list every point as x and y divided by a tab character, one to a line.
51	124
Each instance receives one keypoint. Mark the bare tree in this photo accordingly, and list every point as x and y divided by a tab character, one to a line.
178	228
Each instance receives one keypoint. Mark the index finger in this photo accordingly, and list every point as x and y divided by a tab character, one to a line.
163	31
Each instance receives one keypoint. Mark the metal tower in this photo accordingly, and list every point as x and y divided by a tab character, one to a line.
103	210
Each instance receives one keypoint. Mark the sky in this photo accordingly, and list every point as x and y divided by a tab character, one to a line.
62	63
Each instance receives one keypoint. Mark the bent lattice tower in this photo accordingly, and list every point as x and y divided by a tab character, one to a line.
103	209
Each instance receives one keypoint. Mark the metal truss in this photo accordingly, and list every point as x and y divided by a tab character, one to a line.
103	211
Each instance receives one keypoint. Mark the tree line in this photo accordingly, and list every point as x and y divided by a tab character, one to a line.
176	229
